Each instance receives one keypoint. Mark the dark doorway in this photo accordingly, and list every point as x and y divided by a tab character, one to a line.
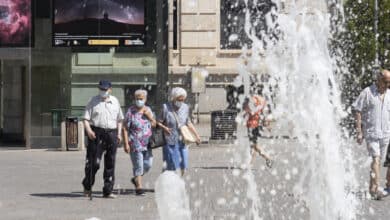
12	122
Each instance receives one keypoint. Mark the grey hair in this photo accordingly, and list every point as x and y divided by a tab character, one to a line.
141	92
178	91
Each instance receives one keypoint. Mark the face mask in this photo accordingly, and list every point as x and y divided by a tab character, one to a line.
104	94
178	104
139	103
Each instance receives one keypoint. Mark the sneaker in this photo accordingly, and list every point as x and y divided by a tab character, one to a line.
87	193
109	196
378	195
139	192
269	163
387	190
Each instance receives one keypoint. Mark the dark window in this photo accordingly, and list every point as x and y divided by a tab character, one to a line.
175	24
42	8
233	12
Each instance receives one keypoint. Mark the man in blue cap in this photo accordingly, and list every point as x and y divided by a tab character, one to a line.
103	123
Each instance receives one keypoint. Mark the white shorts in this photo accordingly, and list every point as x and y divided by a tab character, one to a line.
377	147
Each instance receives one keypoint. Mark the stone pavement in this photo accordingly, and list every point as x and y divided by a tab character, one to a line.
45	184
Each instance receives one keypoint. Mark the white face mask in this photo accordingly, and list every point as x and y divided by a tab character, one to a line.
139	103
104	94
178	104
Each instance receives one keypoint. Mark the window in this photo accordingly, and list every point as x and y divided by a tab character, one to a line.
232	32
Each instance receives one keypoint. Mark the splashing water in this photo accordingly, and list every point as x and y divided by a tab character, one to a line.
171	197
305	93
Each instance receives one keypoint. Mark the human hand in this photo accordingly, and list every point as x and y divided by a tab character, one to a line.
119	138
126	148
147	113
91	135
198	141
167	130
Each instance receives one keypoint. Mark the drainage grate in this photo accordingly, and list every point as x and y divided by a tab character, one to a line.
223	125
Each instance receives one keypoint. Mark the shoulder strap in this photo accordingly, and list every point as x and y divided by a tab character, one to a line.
176	117
164	109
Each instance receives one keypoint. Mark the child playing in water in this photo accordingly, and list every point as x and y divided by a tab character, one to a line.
254	108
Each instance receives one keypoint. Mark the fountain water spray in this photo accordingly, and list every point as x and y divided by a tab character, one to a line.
171	197
294	51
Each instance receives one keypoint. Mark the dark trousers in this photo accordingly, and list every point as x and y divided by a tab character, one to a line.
106	140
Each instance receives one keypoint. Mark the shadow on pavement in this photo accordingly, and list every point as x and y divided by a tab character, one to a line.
130	191
58	195
94	193
224	168
218	168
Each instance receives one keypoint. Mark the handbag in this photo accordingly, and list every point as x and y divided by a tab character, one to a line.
158	138
186	133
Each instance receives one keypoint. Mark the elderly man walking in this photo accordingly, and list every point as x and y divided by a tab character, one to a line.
373	124
103	123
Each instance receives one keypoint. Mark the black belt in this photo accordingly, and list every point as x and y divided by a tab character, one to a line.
103	129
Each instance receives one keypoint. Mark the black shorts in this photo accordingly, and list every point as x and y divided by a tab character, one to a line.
254	134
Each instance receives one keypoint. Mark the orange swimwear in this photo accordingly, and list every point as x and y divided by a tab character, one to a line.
254	117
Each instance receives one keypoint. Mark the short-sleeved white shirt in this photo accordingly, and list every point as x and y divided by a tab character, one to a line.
375	112
103	113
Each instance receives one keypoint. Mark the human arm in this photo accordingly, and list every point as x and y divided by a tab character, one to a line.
120	119
149	115
165	128
192	128
91	135
119	127
358	107
161	118
358	124
126	140
87	117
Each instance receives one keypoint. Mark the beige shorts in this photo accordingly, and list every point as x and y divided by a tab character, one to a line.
377	147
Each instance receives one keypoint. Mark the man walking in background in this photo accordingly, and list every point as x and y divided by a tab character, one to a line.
103	123
373	124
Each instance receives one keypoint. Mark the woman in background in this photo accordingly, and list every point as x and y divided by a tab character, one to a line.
137	130
174	114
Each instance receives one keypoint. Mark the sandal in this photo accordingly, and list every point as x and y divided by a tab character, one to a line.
269	163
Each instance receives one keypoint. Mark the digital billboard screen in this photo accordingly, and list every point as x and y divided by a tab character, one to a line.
15	23
99	23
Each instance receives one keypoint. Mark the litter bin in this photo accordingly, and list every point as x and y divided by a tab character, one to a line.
223	125
71	130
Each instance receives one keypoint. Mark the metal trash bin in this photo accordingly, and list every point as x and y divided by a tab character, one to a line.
223	125
71	130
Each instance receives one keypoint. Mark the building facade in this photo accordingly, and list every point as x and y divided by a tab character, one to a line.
43	84
211	34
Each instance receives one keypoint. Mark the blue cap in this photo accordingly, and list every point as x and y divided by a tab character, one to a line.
104	84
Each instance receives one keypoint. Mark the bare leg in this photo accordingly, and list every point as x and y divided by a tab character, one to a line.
138	182
253	153
261	152
374	175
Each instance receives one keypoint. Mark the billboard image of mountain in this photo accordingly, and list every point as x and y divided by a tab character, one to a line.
15	23
124	19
